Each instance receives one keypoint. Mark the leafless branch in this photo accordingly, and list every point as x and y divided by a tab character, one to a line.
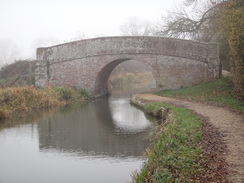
181	24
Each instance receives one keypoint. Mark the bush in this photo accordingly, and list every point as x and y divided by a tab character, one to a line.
84	94
64	93
70	95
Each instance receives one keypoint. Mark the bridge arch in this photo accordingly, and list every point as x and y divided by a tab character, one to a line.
88	63
101	82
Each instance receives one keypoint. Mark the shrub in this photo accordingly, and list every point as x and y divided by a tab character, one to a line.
64	93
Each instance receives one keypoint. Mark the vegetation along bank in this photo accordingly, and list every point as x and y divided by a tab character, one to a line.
19	100
176	153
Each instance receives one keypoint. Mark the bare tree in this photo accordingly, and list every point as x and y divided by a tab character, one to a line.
9	51
220	21
195	20
136	27
78	36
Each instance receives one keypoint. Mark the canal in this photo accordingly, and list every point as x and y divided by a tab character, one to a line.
102	141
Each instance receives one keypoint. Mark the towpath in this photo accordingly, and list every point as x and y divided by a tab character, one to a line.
230	123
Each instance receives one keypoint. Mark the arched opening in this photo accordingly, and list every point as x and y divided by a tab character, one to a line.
130	77
124	74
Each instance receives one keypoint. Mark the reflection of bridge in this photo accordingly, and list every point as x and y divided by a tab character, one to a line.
87	64
89	129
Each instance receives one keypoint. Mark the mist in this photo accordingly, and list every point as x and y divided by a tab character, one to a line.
28	24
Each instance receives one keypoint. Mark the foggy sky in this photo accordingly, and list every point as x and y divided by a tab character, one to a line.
24	22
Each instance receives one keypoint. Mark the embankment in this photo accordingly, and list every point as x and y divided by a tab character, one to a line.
185	148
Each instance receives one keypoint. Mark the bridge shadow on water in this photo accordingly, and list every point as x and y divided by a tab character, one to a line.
106	126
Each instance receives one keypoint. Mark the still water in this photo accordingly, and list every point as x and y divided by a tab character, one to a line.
101	142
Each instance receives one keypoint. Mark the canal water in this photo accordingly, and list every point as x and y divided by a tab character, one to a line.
101	142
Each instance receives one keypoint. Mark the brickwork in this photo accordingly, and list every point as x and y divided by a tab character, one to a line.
87	64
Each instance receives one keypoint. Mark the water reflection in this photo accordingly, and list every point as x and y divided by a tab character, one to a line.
23	162
100	142
98	128
127	119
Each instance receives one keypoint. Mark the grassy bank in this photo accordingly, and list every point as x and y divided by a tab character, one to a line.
16	100
175	153
220	92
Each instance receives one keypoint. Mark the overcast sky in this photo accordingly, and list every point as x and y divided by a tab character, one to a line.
25	21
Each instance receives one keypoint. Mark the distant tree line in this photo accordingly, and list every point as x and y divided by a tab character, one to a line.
18	73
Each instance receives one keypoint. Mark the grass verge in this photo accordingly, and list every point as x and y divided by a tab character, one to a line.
219	92
174	155
16	100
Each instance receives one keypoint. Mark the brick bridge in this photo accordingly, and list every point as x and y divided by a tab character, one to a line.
87	64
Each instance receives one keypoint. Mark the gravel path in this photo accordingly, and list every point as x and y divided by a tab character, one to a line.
230	123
